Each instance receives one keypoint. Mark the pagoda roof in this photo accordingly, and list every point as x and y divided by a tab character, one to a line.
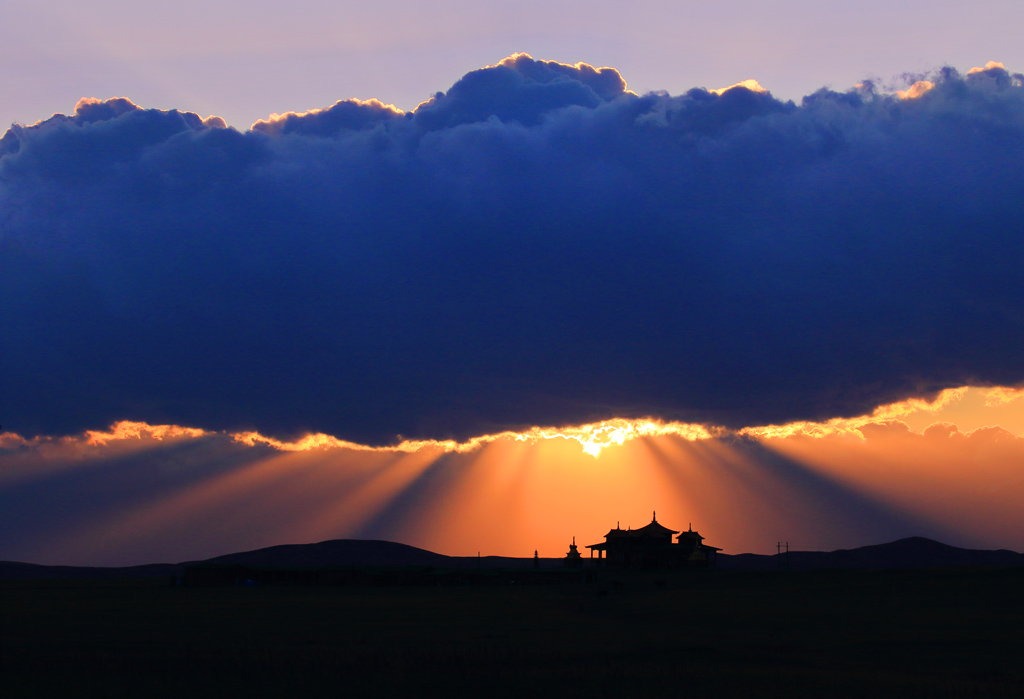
653	529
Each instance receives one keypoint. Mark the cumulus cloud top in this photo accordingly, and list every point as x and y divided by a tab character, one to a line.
344	115
537	245
90	111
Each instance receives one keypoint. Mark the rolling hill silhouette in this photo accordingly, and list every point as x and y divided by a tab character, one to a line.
336	552
364	552
913	552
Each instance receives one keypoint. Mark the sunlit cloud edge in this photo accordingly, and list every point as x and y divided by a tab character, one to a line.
593	438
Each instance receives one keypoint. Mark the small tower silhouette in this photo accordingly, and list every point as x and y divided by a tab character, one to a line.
536	559
573	559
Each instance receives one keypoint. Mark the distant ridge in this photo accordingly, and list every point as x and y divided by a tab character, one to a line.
913	552
336	552
364	552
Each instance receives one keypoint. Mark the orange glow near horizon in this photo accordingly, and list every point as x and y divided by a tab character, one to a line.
969	484
940	467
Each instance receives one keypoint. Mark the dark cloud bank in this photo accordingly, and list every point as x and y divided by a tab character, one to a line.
536	245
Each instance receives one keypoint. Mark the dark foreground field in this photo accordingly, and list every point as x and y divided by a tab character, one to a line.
950	632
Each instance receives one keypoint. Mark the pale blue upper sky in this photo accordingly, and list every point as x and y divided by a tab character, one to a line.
244	60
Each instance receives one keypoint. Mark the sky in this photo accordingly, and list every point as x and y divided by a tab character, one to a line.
327	271
137	493
246	60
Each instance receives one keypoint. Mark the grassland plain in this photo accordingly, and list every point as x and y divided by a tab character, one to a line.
946	632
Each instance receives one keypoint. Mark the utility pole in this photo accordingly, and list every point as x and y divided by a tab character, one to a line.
778	554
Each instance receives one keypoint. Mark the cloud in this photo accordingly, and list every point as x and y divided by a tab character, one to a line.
884	417
749	84
535	246
916	90
520	89
1000	395
344	115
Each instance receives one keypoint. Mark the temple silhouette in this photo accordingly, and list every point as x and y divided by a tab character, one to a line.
650	547
386	564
